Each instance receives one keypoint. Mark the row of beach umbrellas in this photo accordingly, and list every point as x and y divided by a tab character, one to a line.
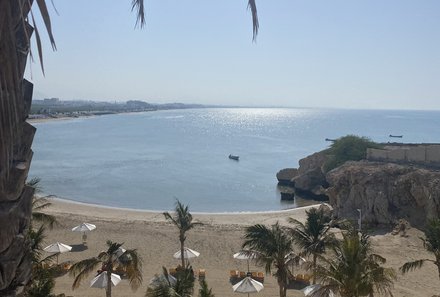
247	285
59	248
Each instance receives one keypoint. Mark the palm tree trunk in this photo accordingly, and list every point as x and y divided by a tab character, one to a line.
314	269
182	250
282	288
15	145
437	263
108	290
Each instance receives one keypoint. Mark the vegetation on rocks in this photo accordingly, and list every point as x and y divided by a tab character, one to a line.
348	148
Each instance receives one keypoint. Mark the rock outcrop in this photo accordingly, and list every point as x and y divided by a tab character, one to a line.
286	175
309	179
385	192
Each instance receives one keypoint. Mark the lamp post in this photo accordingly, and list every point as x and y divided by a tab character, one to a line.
360	219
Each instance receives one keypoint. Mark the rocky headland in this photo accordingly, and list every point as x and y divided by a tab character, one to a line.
384	191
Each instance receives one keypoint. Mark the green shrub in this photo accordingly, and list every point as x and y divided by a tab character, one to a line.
348	148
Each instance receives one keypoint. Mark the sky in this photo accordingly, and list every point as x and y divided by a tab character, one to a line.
308	53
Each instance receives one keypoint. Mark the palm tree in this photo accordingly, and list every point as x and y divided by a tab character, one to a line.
109	261
165	286
204	290
431	243
352	270
42	282
182	219
313	237
38	204
271	247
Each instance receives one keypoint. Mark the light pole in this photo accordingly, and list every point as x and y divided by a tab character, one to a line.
360	219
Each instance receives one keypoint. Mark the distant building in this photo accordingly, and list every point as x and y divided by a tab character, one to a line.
51	100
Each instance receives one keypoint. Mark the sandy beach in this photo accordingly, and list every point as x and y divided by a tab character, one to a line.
217	240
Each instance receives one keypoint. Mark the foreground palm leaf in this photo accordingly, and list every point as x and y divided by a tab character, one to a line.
182	219
353	270
271	247
431	243
110	261
181	286
38	204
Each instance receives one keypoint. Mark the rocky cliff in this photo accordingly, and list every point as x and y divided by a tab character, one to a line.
385	192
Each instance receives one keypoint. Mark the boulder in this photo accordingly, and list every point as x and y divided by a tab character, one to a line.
385	192
286	175
312	162
287	193
310	180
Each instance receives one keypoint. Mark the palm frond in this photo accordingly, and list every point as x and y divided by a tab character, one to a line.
45	219
46	18
34	183
134	268
138	5
255	23
82	269
410	266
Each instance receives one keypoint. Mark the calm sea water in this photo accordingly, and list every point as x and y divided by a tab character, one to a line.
147	160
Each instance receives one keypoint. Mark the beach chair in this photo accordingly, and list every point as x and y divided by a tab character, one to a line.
233	273
260	277
172	271
242	274
202	274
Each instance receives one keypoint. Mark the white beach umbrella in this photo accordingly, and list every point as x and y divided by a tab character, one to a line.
187	253
58	248
245	255
84	227
309	290
248	285
100	281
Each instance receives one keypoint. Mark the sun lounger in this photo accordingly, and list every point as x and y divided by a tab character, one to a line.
233	273
172	271
202	274
242	274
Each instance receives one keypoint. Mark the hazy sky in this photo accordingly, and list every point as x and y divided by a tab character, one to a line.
338	53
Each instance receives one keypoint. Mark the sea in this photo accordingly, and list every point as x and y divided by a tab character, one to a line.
148	160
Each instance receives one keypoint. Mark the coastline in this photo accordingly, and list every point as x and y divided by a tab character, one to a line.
63	207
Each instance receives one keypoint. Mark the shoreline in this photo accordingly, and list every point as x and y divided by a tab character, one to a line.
87	204
68	207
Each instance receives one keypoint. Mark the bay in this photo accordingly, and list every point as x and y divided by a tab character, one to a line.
147	160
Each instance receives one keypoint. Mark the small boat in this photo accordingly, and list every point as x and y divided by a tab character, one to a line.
329	139
396	136
233	157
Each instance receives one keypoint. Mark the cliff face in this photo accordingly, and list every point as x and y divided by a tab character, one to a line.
385	192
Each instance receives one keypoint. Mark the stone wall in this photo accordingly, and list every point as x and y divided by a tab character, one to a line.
420	154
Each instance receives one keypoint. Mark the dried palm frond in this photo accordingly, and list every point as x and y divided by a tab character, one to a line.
138	5
255	24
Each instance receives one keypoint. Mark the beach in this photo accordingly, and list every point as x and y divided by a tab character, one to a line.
217	240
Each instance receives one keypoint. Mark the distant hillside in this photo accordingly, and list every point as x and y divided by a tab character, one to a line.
56	107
